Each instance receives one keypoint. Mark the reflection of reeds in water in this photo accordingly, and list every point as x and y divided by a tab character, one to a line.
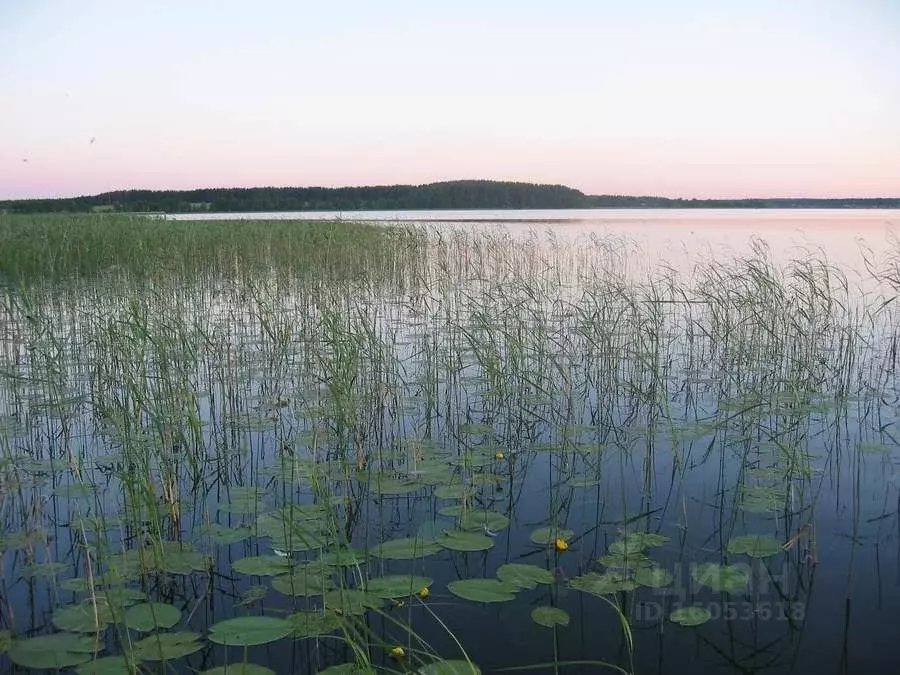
314	389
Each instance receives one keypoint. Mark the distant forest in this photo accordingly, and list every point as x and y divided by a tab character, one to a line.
463	194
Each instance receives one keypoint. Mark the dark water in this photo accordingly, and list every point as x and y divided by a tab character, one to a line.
750	398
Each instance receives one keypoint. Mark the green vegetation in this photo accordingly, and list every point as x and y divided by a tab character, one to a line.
329	447
463	194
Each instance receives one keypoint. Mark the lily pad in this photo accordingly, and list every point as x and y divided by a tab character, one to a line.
108	665
262	565
465	541
549	616
453	491
755	545
546	536
727	578
457	667
302	583
247	631
602	584
690	616
149	616
343	557
653	577
353	601
405	549
313	624
524	577
52	652
239	669
83	617
167	646
224	535
478	519
483	590
393	586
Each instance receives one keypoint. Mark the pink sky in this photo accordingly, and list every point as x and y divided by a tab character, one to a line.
705	99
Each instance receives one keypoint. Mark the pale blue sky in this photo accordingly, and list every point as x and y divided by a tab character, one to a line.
702	98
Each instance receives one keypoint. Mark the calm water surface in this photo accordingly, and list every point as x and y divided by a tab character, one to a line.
707	420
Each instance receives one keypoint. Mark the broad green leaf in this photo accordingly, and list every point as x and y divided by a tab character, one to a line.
755	545
483	590
478	519
549	616
313	624
465	541
149	616
353	601
262	565
727	578
653	577
167	646
52	652
109	665
83	617
546	536
690	616
397	585
458	667
602	584
239	669
405	549
224	535
524	577
246	631
302	583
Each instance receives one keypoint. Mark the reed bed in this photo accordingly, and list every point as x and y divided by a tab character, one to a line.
333	447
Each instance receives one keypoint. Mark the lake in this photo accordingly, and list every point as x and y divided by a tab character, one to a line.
556	441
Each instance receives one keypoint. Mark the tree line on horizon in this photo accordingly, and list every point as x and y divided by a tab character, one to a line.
462	194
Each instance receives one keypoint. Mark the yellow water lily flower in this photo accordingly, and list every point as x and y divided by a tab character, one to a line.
423	592
561	545
499	455
398	653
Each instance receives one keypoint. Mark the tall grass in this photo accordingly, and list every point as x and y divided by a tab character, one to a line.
178	397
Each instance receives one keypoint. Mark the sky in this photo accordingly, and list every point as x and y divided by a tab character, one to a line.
696	98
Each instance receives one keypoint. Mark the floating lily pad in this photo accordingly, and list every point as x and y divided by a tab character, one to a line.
247	631
262	565
83	617
108	665
149	616
549	616
690	616
727	578
483	590
453	492
343	557
546	536
313	624
478	519
397	585
653	577
465	541
524	577
302	583
405	549
239	669
457	667
167	646
353	601
52	652
602	584
347	669
755	545
224	535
